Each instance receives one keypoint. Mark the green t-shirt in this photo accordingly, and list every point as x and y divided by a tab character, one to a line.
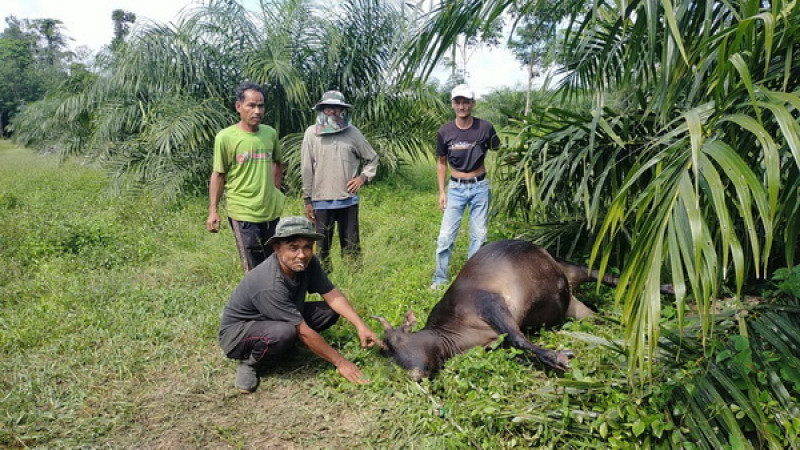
246	160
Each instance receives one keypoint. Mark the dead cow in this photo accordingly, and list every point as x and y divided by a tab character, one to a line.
506	287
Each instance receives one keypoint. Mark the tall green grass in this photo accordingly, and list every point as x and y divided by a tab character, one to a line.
96	293
99	293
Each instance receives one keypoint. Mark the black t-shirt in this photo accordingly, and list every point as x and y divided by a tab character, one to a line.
466	149
266	293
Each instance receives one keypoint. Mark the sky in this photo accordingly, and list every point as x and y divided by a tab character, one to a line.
88	22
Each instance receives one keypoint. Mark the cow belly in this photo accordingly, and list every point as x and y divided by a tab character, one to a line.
532	286
547	313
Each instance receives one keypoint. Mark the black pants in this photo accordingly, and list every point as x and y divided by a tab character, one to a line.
268	339
347	218
250	238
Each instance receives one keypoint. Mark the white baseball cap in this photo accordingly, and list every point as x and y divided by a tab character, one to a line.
462	90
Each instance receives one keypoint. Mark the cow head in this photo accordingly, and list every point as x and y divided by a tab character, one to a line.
418	353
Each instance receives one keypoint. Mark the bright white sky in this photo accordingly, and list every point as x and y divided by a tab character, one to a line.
88	22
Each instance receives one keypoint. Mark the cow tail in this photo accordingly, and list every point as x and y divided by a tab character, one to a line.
577	274
610	280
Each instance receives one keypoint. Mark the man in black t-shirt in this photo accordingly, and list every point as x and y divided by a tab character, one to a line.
267	311
462	144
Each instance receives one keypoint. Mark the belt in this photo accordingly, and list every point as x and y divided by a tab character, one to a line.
470	179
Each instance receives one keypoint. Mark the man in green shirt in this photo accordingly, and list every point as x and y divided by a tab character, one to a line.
247	167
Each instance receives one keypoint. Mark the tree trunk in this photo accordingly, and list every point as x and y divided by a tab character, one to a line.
453	55
528	91
530	81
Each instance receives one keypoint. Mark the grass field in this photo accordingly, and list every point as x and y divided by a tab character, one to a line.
109	307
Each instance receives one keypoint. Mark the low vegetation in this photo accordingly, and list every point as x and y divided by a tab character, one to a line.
109	309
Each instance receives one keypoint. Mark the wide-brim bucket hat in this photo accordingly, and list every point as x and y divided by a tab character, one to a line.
294	226
333	98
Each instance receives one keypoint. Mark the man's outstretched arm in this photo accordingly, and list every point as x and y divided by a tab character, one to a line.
316	343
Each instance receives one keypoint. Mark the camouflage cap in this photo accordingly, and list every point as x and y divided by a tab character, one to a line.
334	98
293	226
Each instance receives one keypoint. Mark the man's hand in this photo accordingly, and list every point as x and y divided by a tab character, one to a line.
212	223
309	211
351	372
368	338
355	184
319	347
216	184
442	201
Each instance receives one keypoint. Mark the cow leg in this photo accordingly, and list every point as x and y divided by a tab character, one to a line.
577	309
494	311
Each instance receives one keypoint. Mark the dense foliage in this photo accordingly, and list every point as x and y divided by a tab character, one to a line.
34	59
686	164
151	116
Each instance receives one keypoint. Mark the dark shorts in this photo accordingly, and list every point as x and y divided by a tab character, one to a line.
250	239
267	339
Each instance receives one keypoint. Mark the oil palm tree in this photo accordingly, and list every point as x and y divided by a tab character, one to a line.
684	166
151	116
351	50
689	150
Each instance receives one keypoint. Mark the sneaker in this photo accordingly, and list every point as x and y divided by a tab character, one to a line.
246	378
436	285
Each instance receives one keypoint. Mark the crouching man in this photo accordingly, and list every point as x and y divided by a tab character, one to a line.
268	311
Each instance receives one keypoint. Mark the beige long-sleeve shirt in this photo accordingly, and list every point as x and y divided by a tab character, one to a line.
329	161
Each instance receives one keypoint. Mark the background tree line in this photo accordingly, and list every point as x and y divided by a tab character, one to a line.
151	112
33	59
37	60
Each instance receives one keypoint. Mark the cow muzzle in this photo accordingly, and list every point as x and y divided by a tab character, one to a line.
417	374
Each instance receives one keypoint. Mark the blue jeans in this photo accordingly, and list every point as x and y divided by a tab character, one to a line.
459	196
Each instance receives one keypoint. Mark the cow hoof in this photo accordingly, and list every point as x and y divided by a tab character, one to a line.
553	360
563	358
569	353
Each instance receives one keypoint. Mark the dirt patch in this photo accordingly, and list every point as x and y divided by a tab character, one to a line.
289	410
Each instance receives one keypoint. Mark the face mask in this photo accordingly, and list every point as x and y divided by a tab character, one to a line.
331	124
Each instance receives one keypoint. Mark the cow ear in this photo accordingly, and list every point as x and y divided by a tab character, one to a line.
410	321
386	325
